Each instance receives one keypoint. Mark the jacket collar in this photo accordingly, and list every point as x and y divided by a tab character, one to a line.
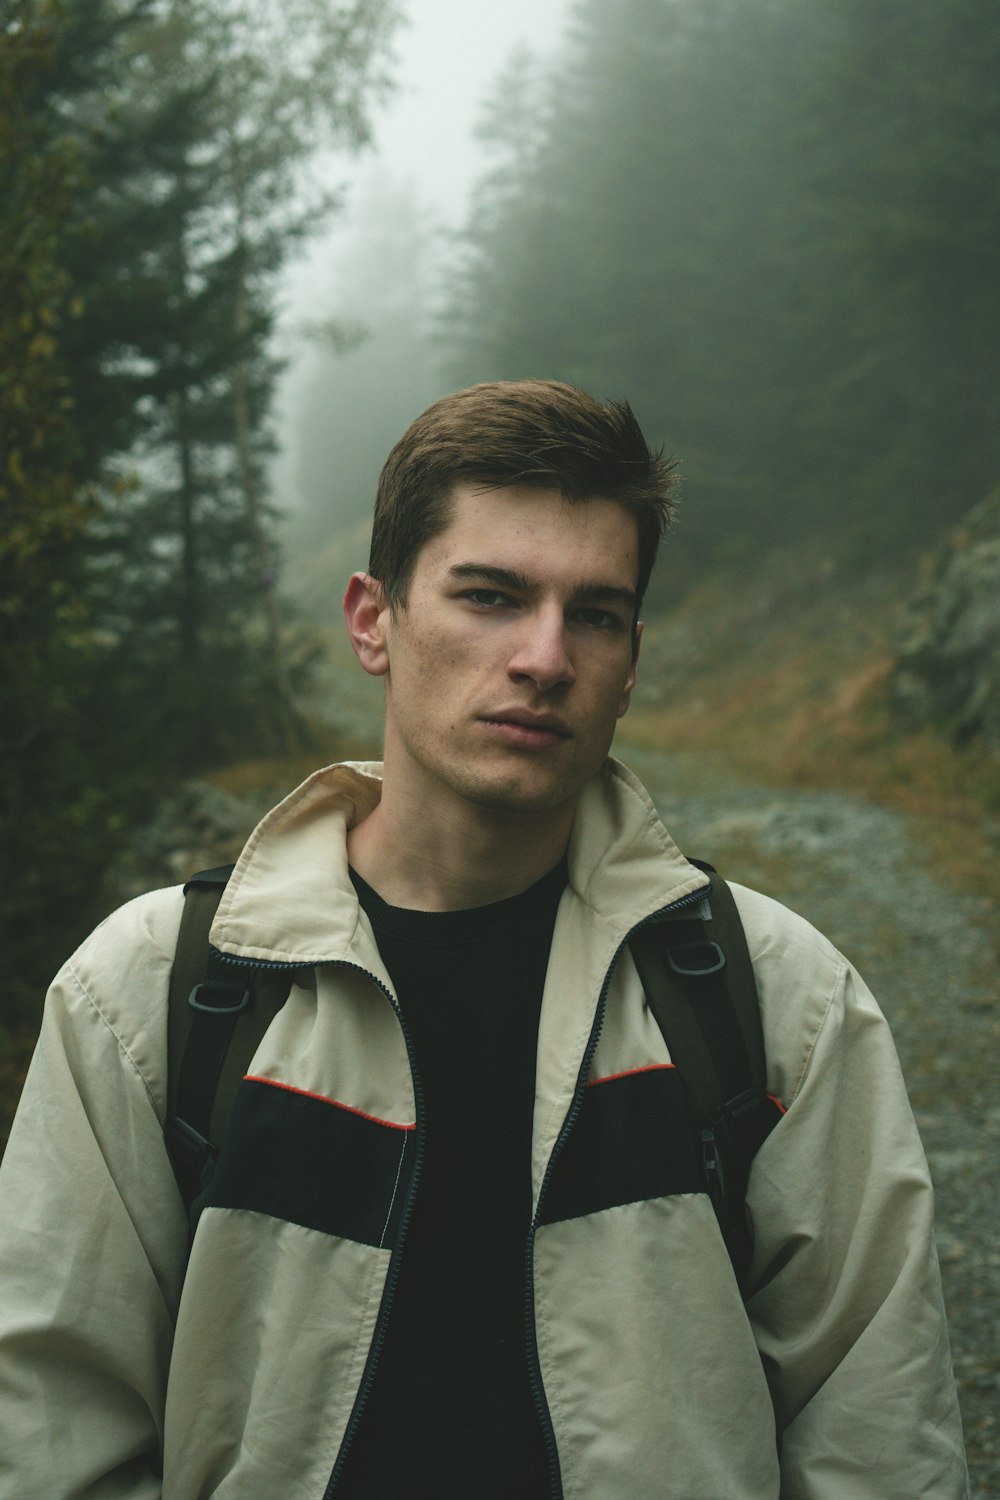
290	899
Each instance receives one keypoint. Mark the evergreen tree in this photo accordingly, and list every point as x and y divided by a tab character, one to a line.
287	78
134	392
772	224
493	319
53	65
646	245
172	567
907	201
203	197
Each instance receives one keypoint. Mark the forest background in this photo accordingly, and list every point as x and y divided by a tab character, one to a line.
772	224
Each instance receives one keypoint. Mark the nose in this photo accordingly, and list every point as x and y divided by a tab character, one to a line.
542	655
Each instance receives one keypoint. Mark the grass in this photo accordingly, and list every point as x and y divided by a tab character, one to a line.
281	773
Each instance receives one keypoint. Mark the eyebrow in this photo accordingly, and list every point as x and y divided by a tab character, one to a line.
510	578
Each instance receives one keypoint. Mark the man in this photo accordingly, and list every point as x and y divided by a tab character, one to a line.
420	1272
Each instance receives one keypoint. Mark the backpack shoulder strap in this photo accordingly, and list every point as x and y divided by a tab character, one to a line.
217	1014
698	979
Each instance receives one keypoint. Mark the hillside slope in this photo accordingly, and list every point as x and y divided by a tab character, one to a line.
784	675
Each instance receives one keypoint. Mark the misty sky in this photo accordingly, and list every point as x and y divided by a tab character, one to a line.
448	56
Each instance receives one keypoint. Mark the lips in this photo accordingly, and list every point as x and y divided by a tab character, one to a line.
521	730
522	719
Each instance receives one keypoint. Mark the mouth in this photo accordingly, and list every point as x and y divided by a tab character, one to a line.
526	730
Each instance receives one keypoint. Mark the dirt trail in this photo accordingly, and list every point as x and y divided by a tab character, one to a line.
858	872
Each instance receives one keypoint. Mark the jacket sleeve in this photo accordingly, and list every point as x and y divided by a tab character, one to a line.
846	1298
92	1235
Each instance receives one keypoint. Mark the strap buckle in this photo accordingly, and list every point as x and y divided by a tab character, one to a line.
191	1146
701	958
220	1006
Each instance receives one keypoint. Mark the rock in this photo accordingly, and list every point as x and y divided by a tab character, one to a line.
948	674
195	828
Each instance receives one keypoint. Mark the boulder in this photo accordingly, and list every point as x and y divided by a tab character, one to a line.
196	827
948	672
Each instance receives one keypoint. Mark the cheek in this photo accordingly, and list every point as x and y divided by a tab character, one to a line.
453	655
431	672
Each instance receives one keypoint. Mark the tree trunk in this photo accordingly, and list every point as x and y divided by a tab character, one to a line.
291	723
189	618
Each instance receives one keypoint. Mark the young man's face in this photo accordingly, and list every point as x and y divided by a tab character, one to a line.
514	655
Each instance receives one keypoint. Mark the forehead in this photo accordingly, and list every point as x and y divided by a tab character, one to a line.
537	531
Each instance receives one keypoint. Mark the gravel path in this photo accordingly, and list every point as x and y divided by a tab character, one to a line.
857	872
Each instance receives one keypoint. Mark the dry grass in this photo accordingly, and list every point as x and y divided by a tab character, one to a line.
282	773
789	685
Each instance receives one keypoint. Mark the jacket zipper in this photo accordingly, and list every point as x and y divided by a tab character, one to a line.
378	1337
534	1363
395	1261
392	1277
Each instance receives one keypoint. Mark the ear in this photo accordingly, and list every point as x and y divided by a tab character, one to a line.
630	679
366	613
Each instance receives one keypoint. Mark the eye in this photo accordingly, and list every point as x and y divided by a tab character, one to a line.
600	619
488	598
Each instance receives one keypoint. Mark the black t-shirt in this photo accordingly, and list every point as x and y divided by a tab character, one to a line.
451	1410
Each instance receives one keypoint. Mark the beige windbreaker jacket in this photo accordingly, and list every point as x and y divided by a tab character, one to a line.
652	1379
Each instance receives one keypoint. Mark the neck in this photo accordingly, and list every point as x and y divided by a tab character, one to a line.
446	858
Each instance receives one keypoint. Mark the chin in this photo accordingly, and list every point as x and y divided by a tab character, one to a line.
515	797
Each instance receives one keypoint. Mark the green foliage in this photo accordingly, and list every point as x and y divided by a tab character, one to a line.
45	502
41	506
906	198
153	181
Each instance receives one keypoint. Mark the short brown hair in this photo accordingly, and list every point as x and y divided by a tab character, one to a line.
539	433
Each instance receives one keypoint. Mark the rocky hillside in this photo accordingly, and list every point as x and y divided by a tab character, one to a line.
948	675
883	684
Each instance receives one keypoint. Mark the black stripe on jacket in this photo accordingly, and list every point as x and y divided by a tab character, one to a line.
631	1141
312	1161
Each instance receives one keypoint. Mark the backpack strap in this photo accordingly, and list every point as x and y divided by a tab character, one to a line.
217	1014
699	983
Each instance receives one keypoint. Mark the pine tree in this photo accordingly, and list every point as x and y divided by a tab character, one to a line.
138	285
286	79
773	225
207	195
646	243
54	64
907	202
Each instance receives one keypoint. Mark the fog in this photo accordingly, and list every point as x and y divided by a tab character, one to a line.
412	186
780	251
